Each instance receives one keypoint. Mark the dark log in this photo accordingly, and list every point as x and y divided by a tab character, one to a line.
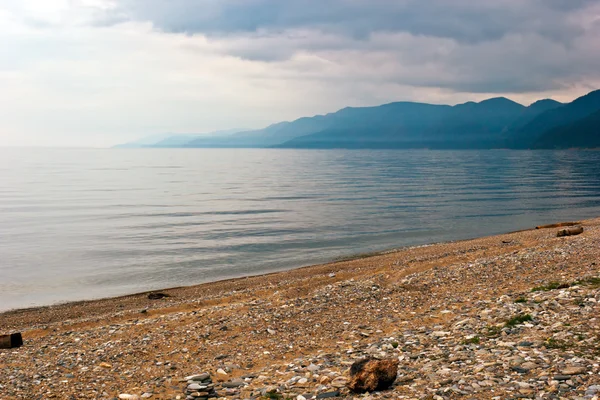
157	295
559	225
575	230
11	341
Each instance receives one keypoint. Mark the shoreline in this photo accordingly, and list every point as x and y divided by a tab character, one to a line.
341	259
491	300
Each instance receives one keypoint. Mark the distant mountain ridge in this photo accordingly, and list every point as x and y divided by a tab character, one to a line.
493	123
544	126
583	133
172	139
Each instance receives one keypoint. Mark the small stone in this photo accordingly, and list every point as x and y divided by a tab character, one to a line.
270	389
199	377
313	368
520	370
105	365
195	386
573	371
125	396
339	382
234	384
529	365
327	395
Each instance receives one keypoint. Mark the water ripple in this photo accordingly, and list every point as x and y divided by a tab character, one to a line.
78	224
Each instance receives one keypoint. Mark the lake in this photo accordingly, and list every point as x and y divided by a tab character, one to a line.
90	223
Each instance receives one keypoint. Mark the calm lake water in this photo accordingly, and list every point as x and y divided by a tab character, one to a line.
81	224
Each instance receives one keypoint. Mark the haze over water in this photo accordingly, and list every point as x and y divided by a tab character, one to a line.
81	223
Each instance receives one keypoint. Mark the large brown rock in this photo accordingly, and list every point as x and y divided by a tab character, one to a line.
369	375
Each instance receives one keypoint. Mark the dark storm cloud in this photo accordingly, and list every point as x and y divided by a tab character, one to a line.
491	46
462	20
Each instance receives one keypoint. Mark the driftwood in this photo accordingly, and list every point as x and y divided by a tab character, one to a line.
575	230
11	341
558	225
157	295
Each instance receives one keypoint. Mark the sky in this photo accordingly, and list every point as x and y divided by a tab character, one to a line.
101	72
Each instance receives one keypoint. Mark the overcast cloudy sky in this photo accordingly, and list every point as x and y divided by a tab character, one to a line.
100	72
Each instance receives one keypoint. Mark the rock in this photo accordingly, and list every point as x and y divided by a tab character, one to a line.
529	365
200	386
105	365
520	370
313	368
234	384
324	380
339	382
525	344
573	371
368	375
270	390
327	395
196	386
221	373
125	396
199	377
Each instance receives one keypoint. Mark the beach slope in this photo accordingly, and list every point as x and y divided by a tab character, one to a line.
508	316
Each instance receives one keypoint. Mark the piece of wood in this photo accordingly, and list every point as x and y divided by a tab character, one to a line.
157	295
574	230
11	341
560	224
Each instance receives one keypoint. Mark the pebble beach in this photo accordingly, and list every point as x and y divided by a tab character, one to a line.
513	316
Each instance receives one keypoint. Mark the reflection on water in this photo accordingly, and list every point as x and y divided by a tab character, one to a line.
80	224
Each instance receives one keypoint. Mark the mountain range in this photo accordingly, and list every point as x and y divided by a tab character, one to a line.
493	123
